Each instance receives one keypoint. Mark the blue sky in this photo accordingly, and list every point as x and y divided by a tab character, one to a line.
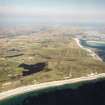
53	10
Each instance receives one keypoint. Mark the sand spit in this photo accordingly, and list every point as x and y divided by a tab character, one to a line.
92	53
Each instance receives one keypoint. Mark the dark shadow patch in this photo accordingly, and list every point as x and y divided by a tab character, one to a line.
14	55
33	68
13	49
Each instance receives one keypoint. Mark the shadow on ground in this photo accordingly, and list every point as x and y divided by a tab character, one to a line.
32	68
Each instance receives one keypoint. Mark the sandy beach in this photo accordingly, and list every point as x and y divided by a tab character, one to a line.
92	53
35	87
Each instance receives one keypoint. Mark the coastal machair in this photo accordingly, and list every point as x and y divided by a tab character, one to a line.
52	52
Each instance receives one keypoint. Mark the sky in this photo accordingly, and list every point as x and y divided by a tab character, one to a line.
83	11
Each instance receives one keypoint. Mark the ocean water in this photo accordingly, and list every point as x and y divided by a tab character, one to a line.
100	47
83	93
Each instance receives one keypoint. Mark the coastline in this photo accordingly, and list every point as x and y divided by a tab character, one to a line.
92	53
35	87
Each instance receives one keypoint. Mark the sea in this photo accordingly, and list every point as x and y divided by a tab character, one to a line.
82	93
97	45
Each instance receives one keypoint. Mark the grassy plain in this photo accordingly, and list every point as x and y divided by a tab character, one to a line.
60	52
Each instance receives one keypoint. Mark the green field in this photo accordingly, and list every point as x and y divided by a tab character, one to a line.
61	53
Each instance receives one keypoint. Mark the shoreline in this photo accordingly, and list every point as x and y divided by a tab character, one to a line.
36	87
91	53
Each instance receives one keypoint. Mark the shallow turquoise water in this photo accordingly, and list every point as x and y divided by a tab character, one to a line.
96	44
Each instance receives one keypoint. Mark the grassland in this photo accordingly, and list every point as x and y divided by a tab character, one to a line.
60	52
